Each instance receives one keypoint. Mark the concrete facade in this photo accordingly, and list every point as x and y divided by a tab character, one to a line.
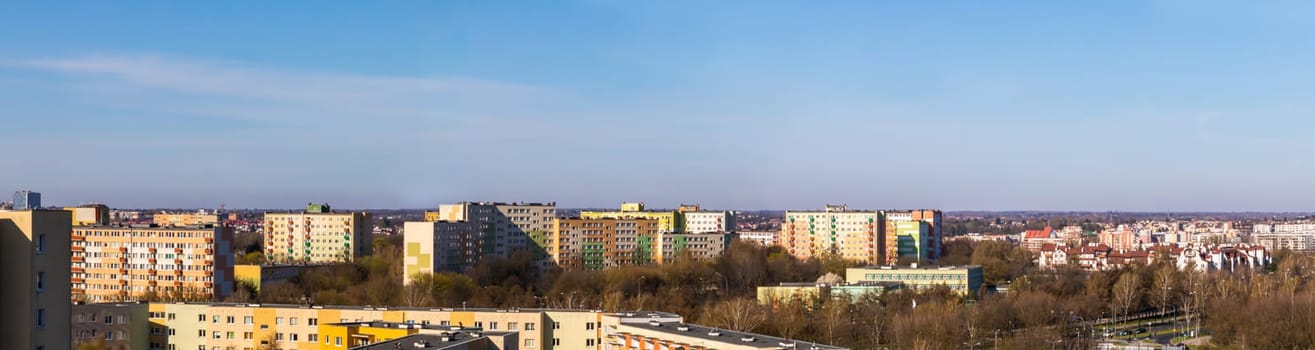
113	326
124	263
35	255
317	236
855	235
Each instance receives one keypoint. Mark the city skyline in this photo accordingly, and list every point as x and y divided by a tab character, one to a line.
1130	106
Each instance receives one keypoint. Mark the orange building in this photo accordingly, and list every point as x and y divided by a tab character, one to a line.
119	263
595	244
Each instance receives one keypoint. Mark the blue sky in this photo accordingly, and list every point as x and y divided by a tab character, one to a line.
1109	105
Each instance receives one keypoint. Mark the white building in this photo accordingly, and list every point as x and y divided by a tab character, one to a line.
709	221
764	238
317	235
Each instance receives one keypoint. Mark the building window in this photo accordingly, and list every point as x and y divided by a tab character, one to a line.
41	243
41	281
511	326
312	321
529	344
41	317
247	320
529	326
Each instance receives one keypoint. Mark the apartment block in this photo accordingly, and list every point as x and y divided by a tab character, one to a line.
763	238
701	246
139	262
856	235
440	246
317	235
965	280
598	243
488	229
112	326
90	214
703	221
241	326
34	249
185	219
668	221
907	240
933	218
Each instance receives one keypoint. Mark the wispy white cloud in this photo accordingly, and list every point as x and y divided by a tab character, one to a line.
241	91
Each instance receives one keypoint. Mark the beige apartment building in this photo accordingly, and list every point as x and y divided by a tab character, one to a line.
140	262
458	236
317	235
185	219
35	246
856	235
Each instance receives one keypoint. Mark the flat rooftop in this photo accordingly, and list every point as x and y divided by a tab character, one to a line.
727	336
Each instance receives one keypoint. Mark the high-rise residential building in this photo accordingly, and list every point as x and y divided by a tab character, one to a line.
90	214
140	262
668	221
35	256
458	236
934	247
701	221
907	240
856	235
598	243
26	200
317	235
186	219
702	246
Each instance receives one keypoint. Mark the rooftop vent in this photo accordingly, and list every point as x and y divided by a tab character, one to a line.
421	344
654	323
715	333
682	328
787	345
747	339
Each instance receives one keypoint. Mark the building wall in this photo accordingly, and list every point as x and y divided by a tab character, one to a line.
119	326
598	243
87	215
35	255
854	235
908	239
307	237
116	263
702	246
668	221
763	238
507	228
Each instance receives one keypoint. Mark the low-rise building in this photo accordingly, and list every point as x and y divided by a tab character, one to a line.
816	292
965	280
259	275
90	214
763	238
185	219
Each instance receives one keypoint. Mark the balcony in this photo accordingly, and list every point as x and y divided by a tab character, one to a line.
209	251
152	283
78	248
78	259
152	272
209	240
178	250
76	269
123	283
123	271
76	280
152	250
123	249
209	273
77	238
178	272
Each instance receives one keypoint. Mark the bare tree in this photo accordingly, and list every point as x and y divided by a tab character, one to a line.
739	314
1165	287
1127	292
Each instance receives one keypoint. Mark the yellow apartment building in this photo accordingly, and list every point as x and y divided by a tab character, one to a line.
124	263
185	219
